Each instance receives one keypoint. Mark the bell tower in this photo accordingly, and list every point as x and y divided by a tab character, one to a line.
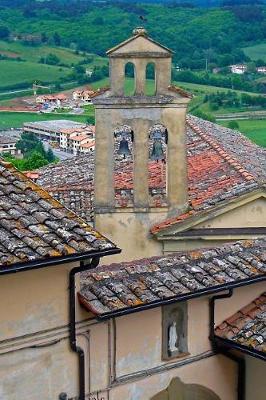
141	157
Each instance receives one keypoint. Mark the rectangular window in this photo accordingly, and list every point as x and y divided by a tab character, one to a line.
174	335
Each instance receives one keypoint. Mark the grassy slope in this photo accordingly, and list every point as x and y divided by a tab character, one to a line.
256	52
29	70
255	130
13	72
33	53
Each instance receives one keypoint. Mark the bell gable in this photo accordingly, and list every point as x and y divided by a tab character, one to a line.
139	44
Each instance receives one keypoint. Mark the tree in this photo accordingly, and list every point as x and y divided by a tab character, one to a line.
44	37
50	157
50	59
27	142
57	39
35	161
233	125
4	32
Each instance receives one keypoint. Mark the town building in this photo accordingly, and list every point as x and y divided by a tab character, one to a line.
54	100
180	313
239	69
80	143
43	248
8	145
83	95
242	68
73	139
51	130
261	70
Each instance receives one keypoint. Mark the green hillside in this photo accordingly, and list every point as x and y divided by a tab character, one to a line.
96	26
17	72
256	52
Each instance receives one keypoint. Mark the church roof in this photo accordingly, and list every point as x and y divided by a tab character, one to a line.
36	228
134	286
247	328
222	166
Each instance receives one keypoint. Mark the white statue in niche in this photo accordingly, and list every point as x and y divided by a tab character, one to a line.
172	338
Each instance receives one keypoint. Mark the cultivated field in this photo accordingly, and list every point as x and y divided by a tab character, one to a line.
256	52
34	53
16	72
254	129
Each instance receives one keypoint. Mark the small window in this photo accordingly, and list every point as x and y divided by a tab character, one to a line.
174	335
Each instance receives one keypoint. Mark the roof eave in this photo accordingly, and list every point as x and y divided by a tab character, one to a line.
52	261
205	214
175	299
222	342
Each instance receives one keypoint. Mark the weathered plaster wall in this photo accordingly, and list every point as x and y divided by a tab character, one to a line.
134	354
99	357
170	246
141	117
242	296
38	373
216	373
252	214
35	358
33	301
130	232
255	379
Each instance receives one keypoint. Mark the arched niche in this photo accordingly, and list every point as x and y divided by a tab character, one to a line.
177	390
123	165
130	79
157	164
150	81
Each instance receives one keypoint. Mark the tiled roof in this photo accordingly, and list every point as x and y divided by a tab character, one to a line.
79	138
130	285
34	226
247	327
7	140
222	165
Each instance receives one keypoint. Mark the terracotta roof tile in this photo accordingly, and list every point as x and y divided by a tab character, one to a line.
34	226
222	165
130	284
247	327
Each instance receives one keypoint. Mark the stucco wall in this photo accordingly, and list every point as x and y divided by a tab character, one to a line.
35	358
135	351
38	373
130	232
255	379
252	214
215	373
33	301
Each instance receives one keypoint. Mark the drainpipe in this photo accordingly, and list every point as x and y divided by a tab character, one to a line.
219	349
72	321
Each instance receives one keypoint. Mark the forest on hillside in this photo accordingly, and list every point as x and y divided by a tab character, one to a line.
195	34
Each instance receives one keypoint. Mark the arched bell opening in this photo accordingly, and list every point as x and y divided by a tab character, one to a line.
157	164
123	165
130	79
150	81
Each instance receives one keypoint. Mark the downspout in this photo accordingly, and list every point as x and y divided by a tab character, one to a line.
241	386
72	321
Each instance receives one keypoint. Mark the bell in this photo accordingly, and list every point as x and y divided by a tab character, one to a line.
157	150
123	148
